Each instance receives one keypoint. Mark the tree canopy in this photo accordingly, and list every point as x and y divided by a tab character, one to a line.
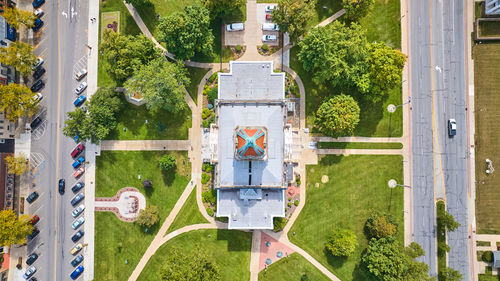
226	9
149	216
162	85
15	17
292	16
137	3
450	274
380	225
448	221
337	116
167	162
386	66
16	165
98	121
187	33
357	9
19	55
17	101
125	54
14	230
195	265
342	242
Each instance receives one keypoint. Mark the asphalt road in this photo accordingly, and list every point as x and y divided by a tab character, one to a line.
437	85
62	43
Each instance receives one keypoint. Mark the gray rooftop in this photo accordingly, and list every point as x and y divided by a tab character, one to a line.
496	259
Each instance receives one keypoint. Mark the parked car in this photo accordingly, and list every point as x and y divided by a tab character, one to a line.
79	172
37	86
452	127
34	219
79	101
270	8
76	224
37	3
38	13
235	26
78	162
33	234
33	279
77	150
32	197
38	97
76	249
77	235
62	186
81	74
269	38
29	272
39	72
31	259
77	199
35	123
78	210
37	63
269	26
268	17
79	185
77	260
77	272
38	24
81	88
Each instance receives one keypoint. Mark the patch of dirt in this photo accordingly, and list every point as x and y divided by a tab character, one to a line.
316	184
324	179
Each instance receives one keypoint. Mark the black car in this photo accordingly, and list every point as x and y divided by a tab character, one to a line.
33	279
34	233
77	260
77	236
79	185
38	3
37	86
77	199
62	186
38	72
38	25
32	197
35	123
31	259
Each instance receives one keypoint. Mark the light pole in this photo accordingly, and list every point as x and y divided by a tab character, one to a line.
391	107
392	183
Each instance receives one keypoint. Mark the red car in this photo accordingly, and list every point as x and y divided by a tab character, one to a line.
34	219
78	149
79	172
268	16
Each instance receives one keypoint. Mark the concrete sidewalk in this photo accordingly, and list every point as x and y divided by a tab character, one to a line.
361	151
356	139
137	145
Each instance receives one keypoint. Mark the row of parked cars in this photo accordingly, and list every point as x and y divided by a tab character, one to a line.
267	26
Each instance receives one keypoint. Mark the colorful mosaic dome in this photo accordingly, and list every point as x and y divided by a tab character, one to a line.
251	143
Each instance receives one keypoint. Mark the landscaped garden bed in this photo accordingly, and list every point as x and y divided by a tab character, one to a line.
209	96
267	50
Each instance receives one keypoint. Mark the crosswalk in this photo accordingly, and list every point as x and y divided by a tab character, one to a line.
39	131
37	163
79	65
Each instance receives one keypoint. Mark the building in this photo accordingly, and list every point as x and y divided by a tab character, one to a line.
248	145
492	7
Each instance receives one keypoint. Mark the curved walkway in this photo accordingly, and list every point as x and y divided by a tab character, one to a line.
126	204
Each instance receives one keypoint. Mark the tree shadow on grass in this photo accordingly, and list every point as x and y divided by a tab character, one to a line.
151	231
328	160
359	273
168	177
336	262
235	243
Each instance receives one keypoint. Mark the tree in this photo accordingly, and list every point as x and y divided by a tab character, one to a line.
278	223
17	101
19	55
126	53
16	165
167	162
226	9
148	217
14	230
137	3
292	16
357	9
386	66
380	225
450	274
162	84
98	121
187	33
337	116
147	183
448	221
342	242
337	54
194	265
15	16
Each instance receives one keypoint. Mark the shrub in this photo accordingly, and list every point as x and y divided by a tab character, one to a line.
210	212
205	178
205	124
289	204
487	256
296	202
279	224
380	225
205	113
342	242
265	48
205	166
209	169
209	196
211	120
238	48
148	217
212	94
212	77
289	198
147	183
167	162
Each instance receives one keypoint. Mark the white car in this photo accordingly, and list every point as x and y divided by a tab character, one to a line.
81	74
81	88
78	210
238	26
269	38
270	8
38	97
76	224
37	63
29	272
270	27
38	13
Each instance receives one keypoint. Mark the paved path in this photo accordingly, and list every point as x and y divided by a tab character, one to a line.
255	255
361	151
331	19
136	145
356	139
251	38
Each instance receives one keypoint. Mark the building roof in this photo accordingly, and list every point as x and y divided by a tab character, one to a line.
496	259
251	143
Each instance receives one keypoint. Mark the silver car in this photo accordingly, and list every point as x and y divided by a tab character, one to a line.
76	224
29	272
81	88
235	26
269	26
269	38
76	212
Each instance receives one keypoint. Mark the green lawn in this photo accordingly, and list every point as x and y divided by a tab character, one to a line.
489	28
383	23
117	241
188	215
361	145
488	276
357	186
230	250
195	74
161	125
293	268
325	9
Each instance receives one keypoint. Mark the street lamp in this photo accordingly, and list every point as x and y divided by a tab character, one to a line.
392	183
391	107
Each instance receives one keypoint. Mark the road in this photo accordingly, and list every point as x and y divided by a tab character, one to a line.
437	88
62	43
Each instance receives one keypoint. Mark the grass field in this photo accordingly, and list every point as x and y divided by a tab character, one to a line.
357	186
383	23
109	19
293	268
117	241
487	114
195	74
489	28
188	215
361	145
229	249
161	125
